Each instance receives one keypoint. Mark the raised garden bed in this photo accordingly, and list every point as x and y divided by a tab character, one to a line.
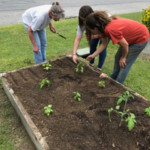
75	125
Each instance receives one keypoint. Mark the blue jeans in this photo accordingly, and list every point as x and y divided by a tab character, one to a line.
40	40
102	55
120	74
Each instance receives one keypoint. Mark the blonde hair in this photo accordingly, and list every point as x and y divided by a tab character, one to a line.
57	10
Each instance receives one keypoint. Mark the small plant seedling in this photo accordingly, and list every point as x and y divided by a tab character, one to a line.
47	66
101	84
44	82
147	111
131	121
80	67
125	115
77	96
109	112
48	110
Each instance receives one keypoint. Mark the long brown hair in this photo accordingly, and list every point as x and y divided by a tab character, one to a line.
99	20
84	12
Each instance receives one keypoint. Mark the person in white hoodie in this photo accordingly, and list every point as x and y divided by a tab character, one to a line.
35	20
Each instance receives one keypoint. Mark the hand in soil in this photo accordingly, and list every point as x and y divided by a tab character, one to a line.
103	75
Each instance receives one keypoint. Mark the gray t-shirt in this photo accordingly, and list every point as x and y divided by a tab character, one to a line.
37	17
80	30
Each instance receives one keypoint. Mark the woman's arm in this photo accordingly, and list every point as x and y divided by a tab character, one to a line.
76	44
52	28
30	34
102	46
124	47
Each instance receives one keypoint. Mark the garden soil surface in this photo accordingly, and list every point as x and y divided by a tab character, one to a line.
83	125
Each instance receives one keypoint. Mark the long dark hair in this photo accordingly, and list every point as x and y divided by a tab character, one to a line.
84	12
99	20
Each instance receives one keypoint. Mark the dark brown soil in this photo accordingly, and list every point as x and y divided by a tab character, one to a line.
80	125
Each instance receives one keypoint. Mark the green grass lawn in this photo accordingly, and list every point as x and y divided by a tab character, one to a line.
16	52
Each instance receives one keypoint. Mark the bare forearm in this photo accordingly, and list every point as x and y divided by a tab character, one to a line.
124	47
76	43
124	51
50	24
101	47
30	34
99	50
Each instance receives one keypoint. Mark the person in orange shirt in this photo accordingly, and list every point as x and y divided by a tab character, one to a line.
130	35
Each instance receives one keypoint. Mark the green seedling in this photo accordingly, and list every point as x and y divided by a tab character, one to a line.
80	67
101	84
48	110
109	112
147	111
130	121
44	82
47	66
125	115
77	96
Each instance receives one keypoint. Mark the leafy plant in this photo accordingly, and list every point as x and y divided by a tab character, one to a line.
125	115
101	84
48	110
77	96
80	67
146	17
130	121
47	66
44	82
147	111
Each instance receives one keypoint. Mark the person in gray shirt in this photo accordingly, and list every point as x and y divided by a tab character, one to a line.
35	20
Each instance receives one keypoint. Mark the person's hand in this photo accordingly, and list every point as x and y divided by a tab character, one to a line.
52	28
89	58
122	62
103	75
35	49
74	57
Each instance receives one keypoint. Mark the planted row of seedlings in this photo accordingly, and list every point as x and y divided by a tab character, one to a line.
125	114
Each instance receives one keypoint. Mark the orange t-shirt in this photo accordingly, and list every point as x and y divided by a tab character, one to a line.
133	31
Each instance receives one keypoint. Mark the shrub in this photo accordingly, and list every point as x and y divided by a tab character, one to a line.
146	17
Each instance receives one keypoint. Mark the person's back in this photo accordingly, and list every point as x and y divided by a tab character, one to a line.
37	15
129	29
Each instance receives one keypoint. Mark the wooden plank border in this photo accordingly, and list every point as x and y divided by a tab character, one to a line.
32	130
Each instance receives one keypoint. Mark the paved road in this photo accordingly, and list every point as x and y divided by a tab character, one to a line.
11	10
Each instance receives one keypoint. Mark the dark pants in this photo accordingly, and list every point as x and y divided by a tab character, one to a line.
102	55
134	50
